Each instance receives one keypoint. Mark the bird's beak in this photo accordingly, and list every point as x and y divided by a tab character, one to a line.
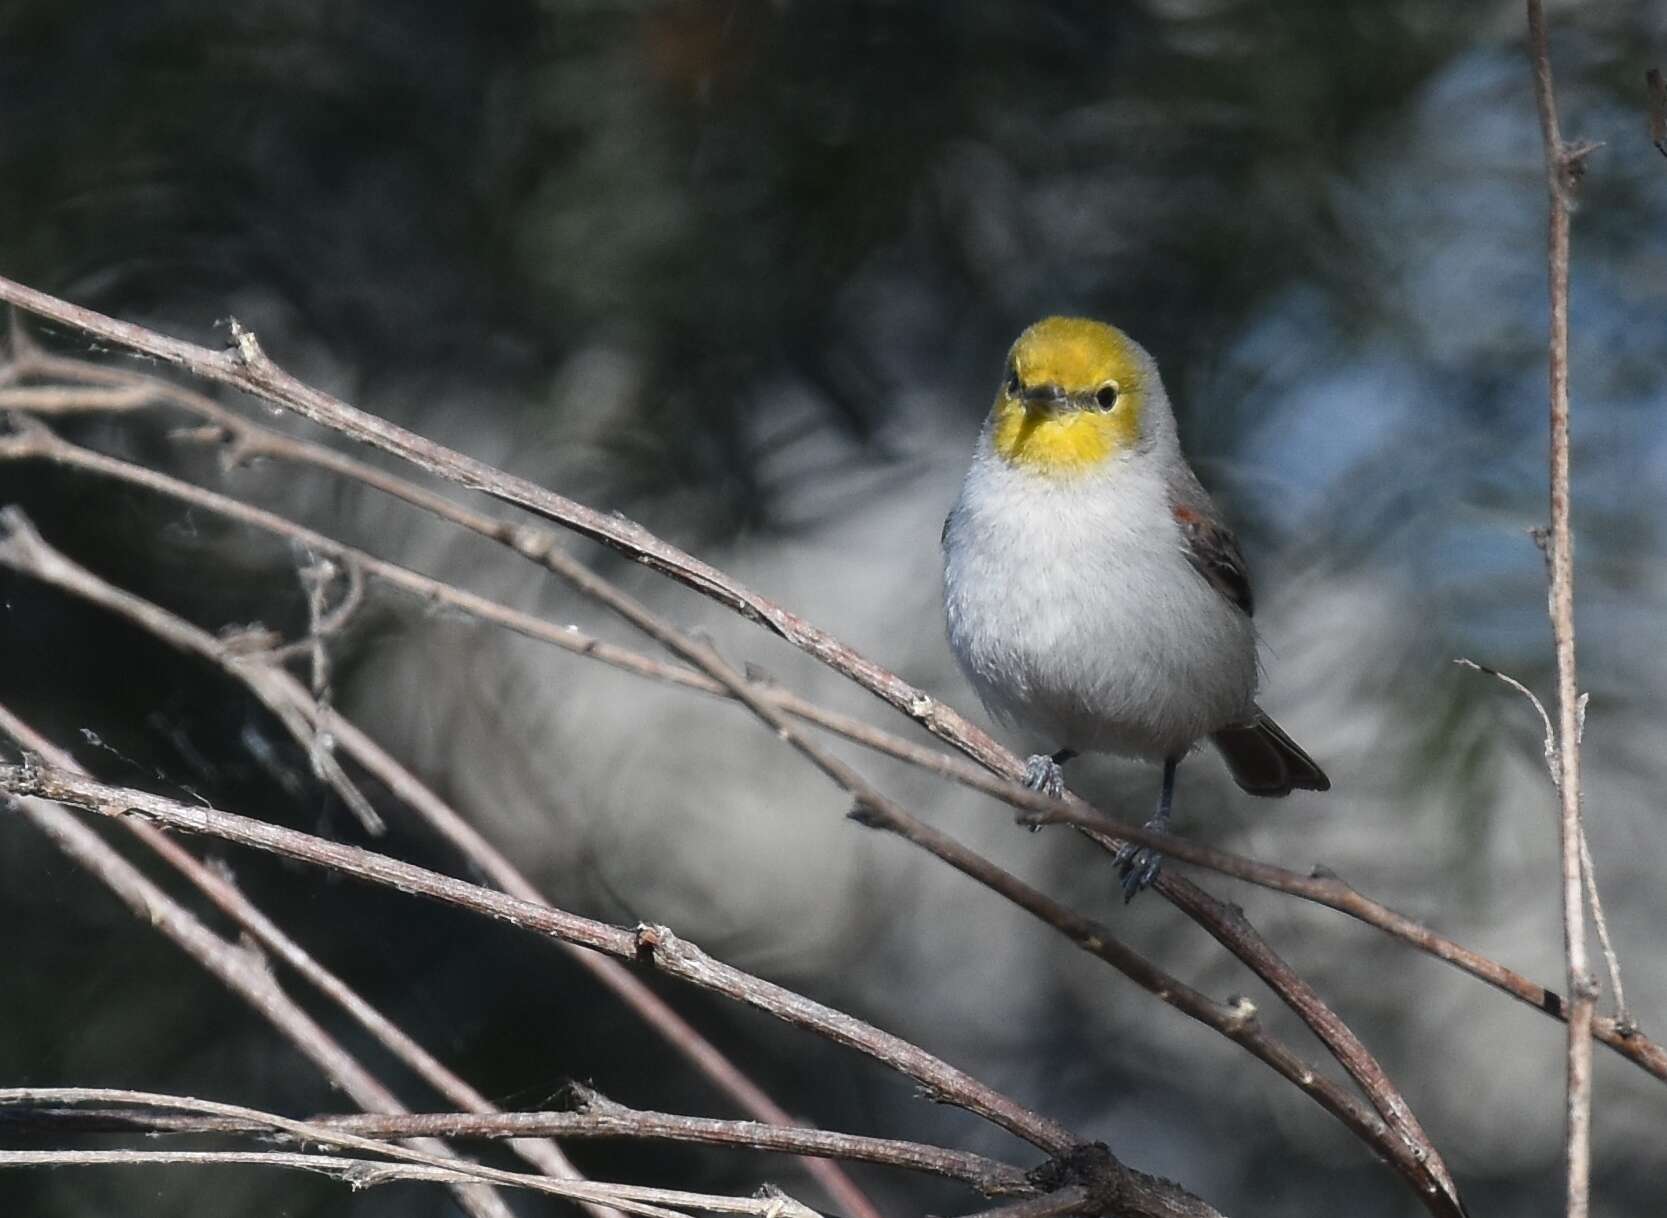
1046	399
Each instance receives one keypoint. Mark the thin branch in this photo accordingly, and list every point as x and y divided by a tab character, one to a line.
649	945
1141	1196
23	549
219	888
1562	167
595	1117
247	368
70	399
37	442
252	358
630	1198
239	969
356	1173
1236	1021
1422	1162
1623	1016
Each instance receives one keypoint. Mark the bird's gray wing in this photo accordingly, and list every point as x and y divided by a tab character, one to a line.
1209	544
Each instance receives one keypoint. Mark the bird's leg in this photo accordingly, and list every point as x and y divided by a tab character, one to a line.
1045	774
1138	865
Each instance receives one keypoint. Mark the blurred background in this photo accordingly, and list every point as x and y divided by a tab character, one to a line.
746	271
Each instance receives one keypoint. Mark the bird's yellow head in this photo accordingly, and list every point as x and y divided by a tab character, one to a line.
1071	397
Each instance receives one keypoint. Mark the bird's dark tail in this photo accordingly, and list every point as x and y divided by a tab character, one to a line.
1265	761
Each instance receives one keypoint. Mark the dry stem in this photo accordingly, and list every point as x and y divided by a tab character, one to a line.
241	970
594	1117
309	721
630	1198
214	884
1562	167
650	945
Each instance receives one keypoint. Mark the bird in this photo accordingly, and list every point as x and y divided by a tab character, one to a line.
1093	594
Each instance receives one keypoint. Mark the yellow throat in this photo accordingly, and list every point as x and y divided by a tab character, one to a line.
1070	397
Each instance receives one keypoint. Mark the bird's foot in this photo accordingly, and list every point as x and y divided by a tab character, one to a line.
1139	865
1044	774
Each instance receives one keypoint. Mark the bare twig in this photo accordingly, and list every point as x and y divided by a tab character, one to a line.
630	1198
460	469
650	945
214	884
1237	1020
1421	1163
21	546
1320	887
595	1117
655	946
65	399
1563	165
24	549
356	1173
1623	1016
239	969
246	367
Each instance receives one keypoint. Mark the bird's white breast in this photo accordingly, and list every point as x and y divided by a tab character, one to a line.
1072	607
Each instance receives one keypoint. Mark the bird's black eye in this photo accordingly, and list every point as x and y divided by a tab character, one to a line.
1013	382
1106	396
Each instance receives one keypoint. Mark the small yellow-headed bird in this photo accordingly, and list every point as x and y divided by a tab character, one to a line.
1093	594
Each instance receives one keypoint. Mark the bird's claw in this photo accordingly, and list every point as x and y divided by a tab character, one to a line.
1138	866
1044	774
